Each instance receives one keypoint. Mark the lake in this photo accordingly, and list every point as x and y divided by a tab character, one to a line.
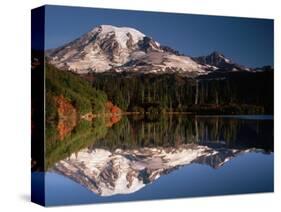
144	158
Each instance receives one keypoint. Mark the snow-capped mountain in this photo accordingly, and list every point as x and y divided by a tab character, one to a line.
214	59
217	61
123	49
118	49
126	171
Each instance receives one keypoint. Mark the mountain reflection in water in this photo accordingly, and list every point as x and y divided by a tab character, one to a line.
136	151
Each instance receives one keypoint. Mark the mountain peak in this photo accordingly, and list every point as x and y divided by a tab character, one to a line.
111	28
217	56
118	49
215	59
120	34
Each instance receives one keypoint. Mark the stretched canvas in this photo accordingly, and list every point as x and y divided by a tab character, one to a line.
135	105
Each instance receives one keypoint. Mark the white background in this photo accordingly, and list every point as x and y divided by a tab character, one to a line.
15	103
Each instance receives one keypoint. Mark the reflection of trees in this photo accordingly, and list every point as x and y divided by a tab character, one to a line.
217	130
81	136
168	131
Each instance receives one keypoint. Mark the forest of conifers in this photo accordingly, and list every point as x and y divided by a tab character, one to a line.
224	93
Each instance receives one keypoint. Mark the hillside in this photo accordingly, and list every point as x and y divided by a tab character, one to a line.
77	91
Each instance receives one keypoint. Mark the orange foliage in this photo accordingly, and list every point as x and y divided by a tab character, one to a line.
114	114
67	117
111	108
115	109
115	119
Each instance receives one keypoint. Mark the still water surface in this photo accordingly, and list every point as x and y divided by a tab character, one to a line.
167	157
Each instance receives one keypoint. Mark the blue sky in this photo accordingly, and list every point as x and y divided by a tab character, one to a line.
244	40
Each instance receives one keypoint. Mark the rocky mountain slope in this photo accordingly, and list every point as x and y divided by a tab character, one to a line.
219	61
119	49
